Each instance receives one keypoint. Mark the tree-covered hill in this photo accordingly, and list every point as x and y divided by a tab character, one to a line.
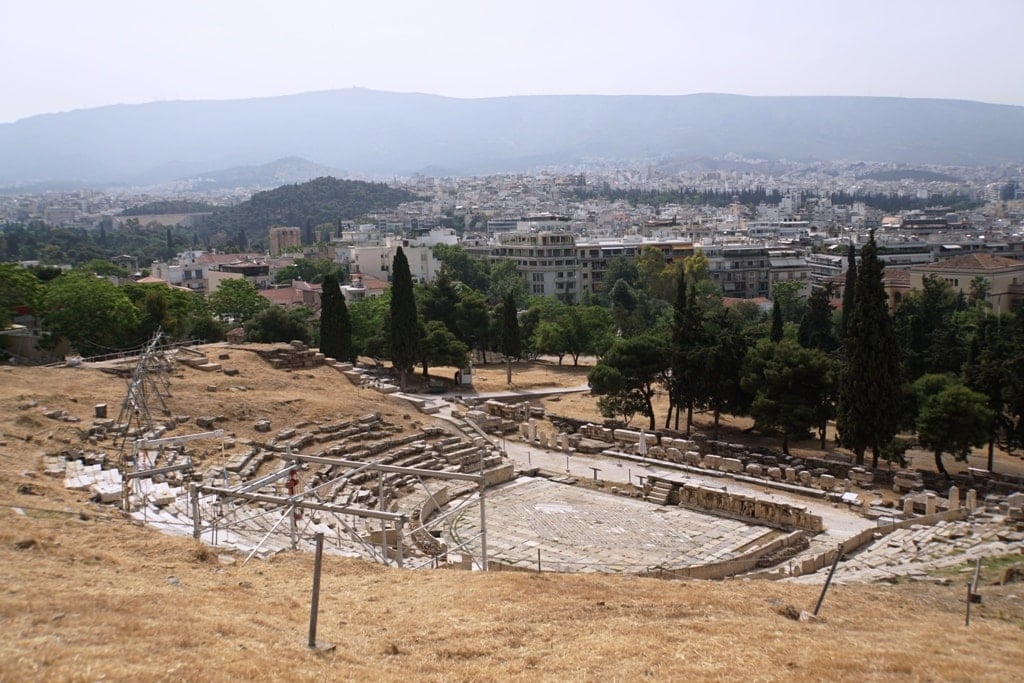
323	200
167	206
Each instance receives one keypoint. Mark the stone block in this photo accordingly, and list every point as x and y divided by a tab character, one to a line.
791	474
712	461
805	478
691	457
775	473
826	482
753	469
731	465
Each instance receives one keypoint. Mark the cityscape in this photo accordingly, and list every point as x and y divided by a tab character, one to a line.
535	341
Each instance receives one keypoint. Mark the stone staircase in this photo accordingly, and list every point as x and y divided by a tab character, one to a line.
660	493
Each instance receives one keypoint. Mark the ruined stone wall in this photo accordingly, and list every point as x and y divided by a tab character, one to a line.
744	507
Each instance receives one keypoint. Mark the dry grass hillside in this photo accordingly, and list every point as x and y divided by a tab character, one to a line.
86	595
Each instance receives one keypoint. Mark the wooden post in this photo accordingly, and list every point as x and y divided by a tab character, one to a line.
824	589
538	560
967	618
315	603
483	526
193	490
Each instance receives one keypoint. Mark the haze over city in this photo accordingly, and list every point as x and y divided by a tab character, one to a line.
69	55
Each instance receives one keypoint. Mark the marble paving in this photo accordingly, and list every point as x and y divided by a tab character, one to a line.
582	530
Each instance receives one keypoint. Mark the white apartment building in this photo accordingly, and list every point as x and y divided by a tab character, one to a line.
546	259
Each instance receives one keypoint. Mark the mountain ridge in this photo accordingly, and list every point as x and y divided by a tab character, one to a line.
376	132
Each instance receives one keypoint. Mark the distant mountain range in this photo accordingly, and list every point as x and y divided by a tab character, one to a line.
366	132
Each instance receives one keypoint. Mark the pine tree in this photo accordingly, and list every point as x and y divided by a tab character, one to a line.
849	291
335	325
871	376
405	335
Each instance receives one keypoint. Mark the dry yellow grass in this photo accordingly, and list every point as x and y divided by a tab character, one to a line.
90	597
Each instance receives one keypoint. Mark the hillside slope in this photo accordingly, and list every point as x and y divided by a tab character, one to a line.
88	595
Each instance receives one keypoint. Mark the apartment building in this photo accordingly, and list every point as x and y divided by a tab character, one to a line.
546	259
741	270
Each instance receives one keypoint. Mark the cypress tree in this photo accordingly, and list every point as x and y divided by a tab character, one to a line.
849	290
871	376
405	331
511	345
684	328
816	325
775	334
335	326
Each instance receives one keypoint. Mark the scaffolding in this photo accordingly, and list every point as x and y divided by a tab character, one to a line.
148	388
390	544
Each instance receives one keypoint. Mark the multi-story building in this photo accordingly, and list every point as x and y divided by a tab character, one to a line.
546	259
595	255
374	257
1003	277
741	270
185	270
788	265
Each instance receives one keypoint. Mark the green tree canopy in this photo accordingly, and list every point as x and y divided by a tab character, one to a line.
237	300
790	386
641	363
94	315
19	289
438	346
275	324
952	420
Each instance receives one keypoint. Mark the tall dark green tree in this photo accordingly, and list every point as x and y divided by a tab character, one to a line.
472	319
996	369
815	330
777	330
335	324
849	291
511	344
871	376
716	365
685	320
405	330
927	326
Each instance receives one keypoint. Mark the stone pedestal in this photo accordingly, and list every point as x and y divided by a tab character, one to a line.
972	500
908	505
929	503
954	498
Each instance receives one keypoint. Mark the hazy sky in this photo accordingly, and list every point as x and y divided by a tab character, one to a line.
68	54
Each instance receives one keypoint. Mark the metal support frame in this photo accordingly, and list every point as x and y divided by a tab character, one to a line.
398	521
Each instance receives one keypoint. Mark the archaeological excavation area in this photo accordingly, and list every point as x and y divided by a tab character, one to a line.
498	485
